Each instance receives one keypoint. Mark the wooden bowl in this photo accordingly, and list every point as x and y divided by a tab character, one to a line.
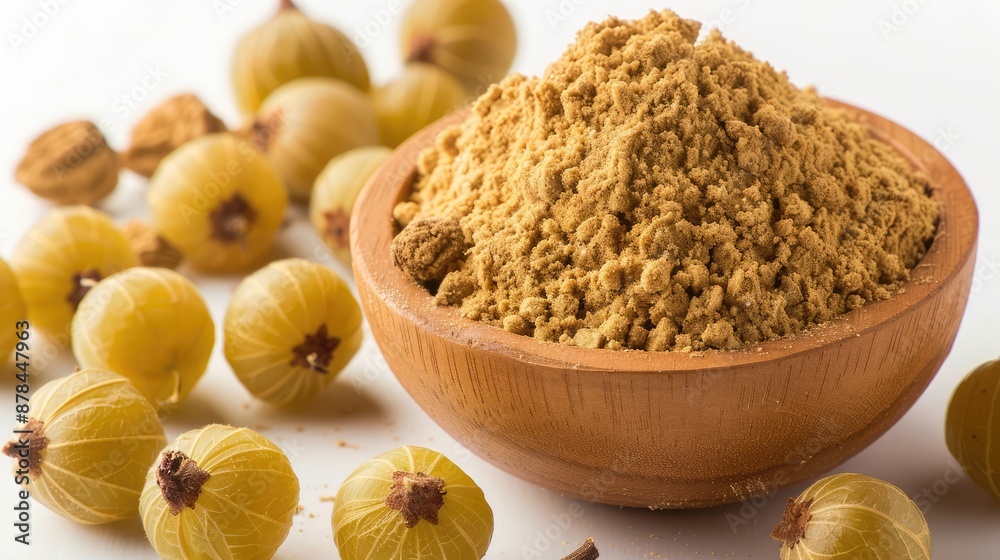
668	430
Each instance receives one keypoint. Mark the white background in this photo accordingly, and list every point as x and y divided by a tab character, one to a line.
937	71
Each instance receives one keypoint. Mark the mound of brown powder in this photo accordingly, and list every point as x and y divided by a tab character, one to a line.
651	192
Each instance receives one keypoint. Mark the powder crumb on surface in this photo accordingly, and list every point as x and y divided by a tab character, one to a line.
657	193
327	498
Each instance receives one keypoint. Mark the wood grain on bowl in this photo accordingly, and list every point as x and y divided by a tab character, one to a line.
668	430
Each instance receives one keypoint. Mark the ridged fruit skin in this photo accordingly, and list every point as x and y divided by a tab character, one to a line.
244	510
290	46
195	182
272	313
337	189
365	527
66	242
317	120
857	517
421	95
474	40
102	438
152	326
12	311
973	426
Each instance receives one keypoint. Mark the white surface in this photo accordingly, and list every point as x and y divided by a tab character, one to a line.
938	74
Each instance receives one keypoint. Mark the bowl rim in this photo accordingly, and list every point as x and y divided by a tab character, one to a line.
373	228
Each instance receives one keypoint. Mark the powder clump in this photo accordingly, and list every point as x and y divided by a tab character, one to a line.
428	249
654	192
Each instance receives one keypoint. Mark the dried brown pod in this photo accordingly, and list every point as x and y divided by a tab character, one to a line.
70	164
150	247
169	126
586	552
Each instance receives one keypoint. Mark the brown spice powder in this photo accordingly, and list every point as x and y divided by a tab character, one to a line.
654	192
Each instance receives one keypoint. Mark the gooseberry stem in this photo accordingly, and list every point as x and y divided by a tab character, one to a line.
175	397
232	220
586	552
422	49
286	5
261	132
28	443
338	227
416	496
316	352
180	480
83	282
792	527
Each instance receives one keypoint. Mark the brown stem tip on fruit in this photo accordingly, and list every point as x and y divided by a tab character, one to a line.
416	496
792	527
586	552
180	481
82	283
28	446
316	352
150	247
286	5
262	131
422	49
231	221
338	228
